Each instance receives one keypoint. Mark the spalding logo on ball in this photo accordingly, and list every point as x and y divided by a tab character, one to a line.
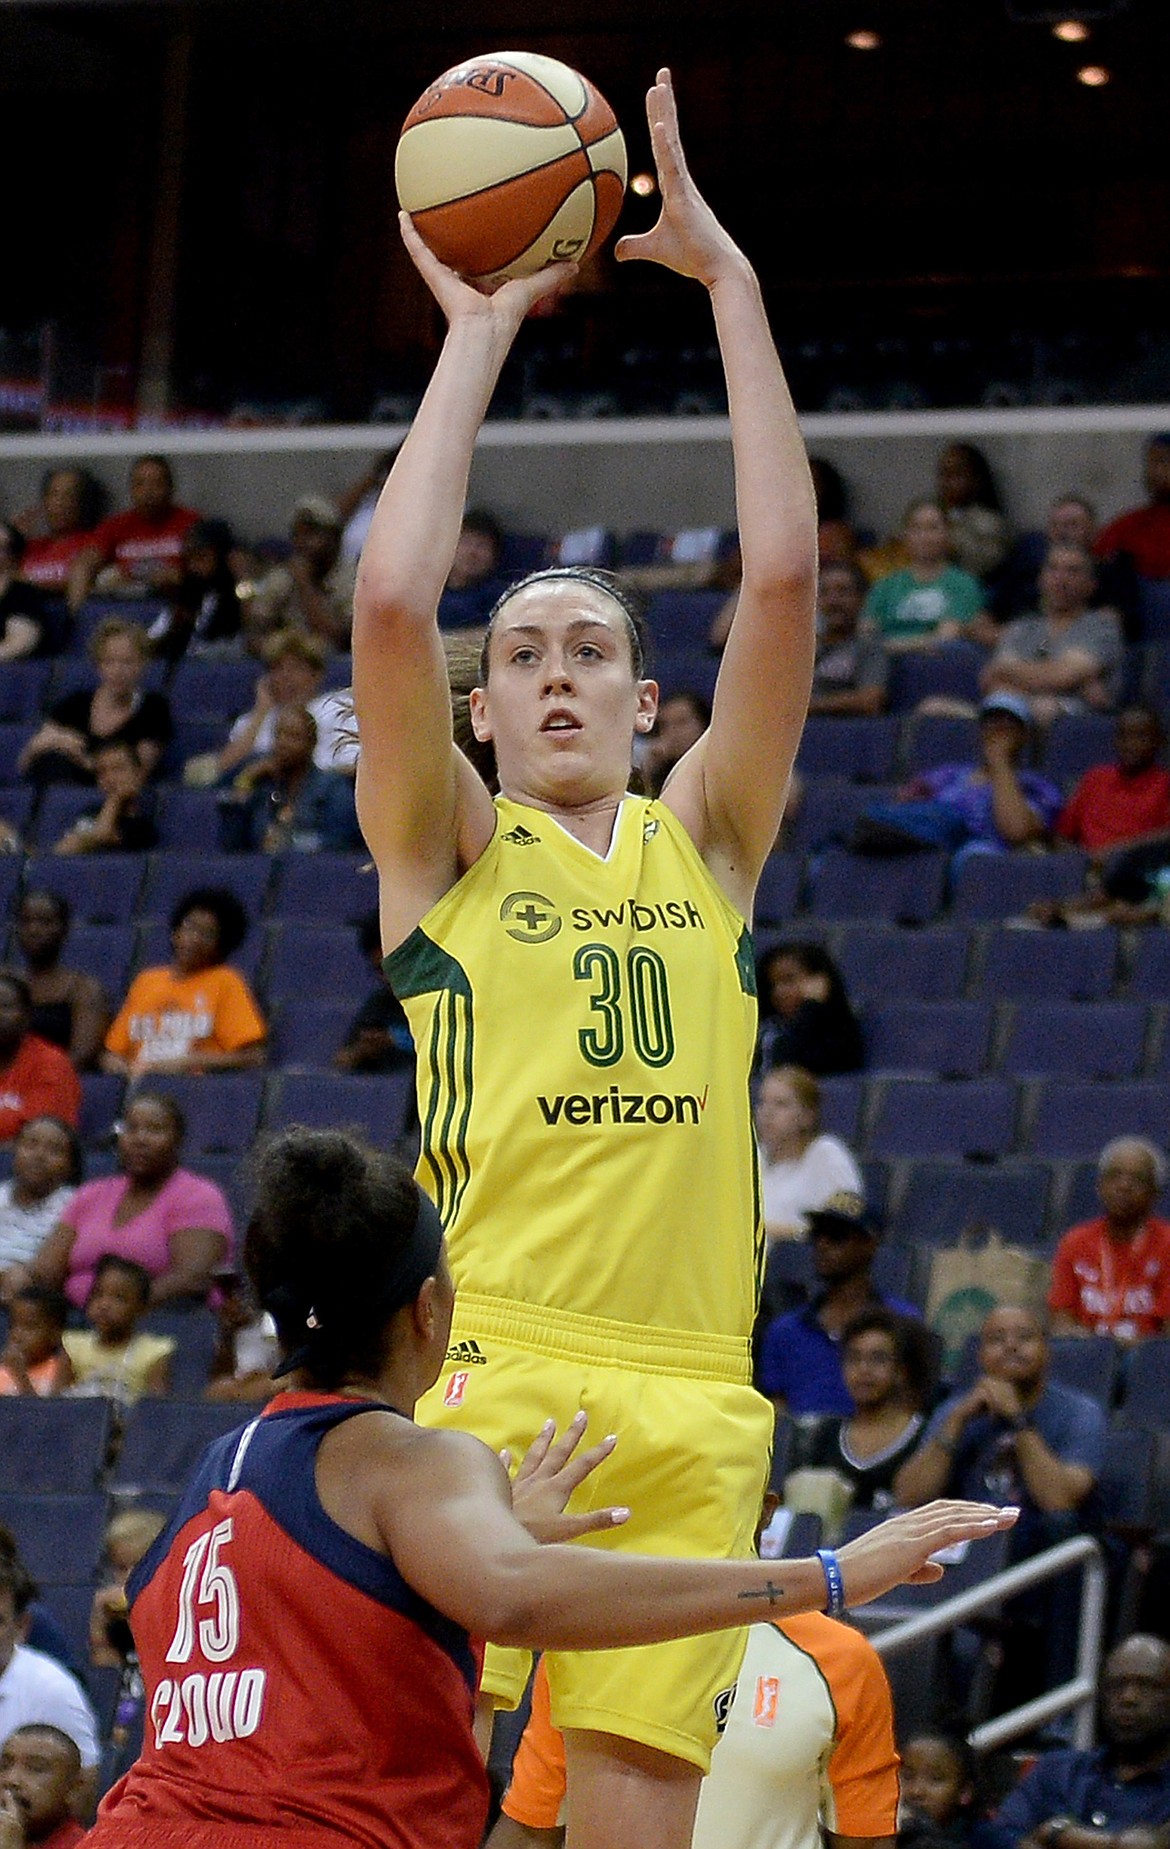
509	163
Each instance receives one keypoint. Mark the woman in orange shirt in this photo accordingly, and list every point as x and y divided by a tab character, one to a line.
197	1014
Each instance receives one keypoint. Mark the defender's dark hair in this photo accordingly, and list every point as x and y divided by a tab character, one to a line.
332	1223
138	1274
165	1102
230	917
914	1349
53	1304
627	601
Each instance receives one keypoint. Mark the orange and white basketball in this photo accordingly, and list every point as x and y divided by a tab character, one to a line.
511	162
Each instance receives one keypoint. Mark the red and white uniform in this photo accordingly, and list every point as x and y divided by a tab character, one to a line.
1118	1287
297	1690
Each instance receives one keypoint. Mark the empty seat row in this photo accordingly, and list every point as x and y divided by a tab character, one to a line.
1032	1039
119	888
983	1119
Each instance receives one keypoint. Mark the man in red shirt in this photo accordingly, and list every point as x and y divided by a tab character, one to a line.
40	1779
36	1079
138	551
1143	535
1120	803
64	528
1111	1276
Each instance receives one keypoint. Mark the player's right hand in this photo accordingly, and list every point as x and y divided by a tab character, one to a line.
897	1552
507	302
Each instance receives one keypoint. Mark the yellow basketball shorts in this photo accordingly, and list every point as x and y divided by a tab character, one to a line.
691	1464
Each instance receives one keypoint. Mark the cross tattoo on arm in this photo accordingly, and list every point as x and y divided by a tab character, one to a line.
767	1591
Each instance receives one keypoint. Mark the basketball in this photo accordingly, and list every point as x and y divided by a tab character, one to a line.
511	162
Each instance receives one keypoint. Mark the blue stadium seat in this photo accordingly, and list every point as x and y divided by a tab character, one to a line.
195	1330
104	951
377	1106
991	886
951	671
74	673
335	888
1126	1483
934	739
841	1101
1154	609
805	1533
53	1446
904	889
1088	1363
828	809
1080	1200
321	960
863	749
685	670
10	870
524	552
1049	965
172	875
70	1606
59	1536
981	1562
1076	742
1146	1388
188	821
891	965
1149	976
682	619
950	1040
219	690
101	1101
163	1440
152	948
1081	1040
222	1110
14	736
22	689
1074	1120
101	890
308	1032
778	892
62	805
968	1117
945	1200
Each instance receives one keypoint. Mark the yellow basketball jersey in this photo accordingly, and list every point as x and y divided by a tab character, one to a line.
584	1029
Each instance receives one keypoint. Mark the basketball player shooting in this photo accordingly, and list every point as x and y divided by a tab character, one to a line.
576	965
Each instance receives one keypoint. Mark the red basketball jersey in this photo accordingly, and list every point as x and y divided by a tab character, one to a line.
296	1688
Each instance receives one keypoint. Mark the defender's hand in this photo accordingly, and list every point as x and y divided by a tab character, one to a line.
546	1479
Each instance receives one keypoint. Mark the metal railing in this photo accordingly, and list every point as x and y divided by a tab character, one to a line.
1080	1693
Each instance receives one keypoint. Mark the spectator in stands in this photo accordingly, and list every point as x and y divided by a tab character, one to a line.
1111	1276
9	838
69	1008
36	1079
294	671
123	822
852	668
1071	521
477	552
60	527
196	1014
1114	1796
23	617
930	600
1123	802
974	512
202	614
887	1365
313	589
248	1348
680	722
938	1791
173	1223
1143	535
356	504
806	1018
41	1784
800	1355
1068	657
136	553
971	808
46	1169
129	1535
112	1358
378	1038
1023	1439
34	1360
62	749
42	1632
33	1688
284	803
800	1167
836	540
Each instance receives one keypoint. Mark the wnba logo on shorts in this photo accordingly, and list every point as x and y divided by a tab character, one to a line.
456	1388
766	1707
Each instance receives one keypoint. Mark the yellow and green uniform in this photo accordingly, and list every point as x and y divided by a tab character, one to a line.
584	1028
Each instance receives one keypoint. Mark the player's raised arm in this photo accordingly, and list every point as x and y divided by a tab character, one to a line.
729	791
417	803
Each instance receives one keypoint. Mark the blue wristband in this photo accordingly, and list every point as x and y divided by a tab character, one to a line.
833	1581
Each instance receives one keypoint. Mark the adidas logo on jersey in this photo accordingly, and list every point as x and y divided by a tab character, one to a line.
520	836
467	1354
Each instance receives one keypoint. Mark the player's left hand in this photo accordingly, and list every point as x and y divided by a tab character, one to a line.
688	237
551	1470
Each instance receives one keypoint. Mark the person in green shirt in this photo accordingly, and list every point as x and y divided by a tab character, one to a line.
930	600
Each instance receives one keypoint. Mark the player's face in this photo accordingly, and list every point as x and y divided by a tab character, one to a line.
932	1779
562	704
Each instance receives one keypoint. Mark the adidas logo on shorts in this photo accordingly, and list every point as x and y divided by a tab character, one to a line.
467	1354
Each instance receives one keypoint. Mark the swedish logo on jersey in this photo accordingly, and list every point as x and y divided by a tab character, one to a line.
529	917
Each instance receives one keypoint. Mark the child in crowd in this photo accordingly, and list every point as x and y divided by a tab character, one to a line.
247	1350
938	1792
34	1360
128	1536
111	1357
